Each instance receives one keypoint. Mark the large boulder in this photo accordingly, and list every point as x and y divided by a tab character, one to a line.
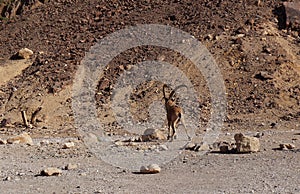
153	134
246	144
22	138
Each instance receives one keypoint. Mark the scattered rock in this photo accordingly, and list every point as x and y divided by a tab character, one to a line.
5	122
263	75
227	148
23	138
197	146
8	178
246	144
190	146
151	169
2	142
128	67
23	53
267	50
119	143
153	134
68	145
163	148
71	166
51	172
287	146
202	147
259	134
209	37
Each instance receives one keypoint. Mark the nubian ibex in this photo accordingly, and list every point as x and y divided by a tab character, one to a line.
174	113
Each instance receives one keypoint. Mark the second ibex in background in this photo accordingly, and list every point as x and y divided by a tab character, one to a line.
174	113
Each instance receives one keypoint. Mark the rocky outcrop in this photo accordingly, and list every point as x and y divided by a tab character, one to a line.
246	144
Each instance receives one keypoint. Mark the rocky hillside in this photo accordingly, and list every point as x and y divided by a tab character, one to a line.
258	57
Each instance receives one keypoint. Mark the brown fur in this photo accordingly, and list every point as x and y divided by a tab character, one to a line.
174	113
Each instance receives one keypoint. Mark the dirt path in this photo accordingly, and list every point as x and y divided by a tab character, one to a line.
268	171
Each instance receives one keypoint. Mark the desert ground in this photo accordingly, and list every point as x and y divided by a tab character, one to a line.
254	44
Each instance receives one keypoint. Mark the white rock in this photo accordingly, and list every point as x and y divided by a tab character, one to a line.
24	53
68	145
71	166
51	172
203	147
245	144
22	138
119	143
151	169
2	142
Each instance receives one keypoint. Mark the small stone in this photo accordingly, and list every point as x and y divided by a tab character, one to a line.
246	144
203	147
224	149
121	67
259	134
209	37
24	53
240	35
267	50
22	138
128	67
44	142
151	169
263	75
68	145
119	143
8	178
71	166
51	172
2	142
163	148
5	122
190	146
287	146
